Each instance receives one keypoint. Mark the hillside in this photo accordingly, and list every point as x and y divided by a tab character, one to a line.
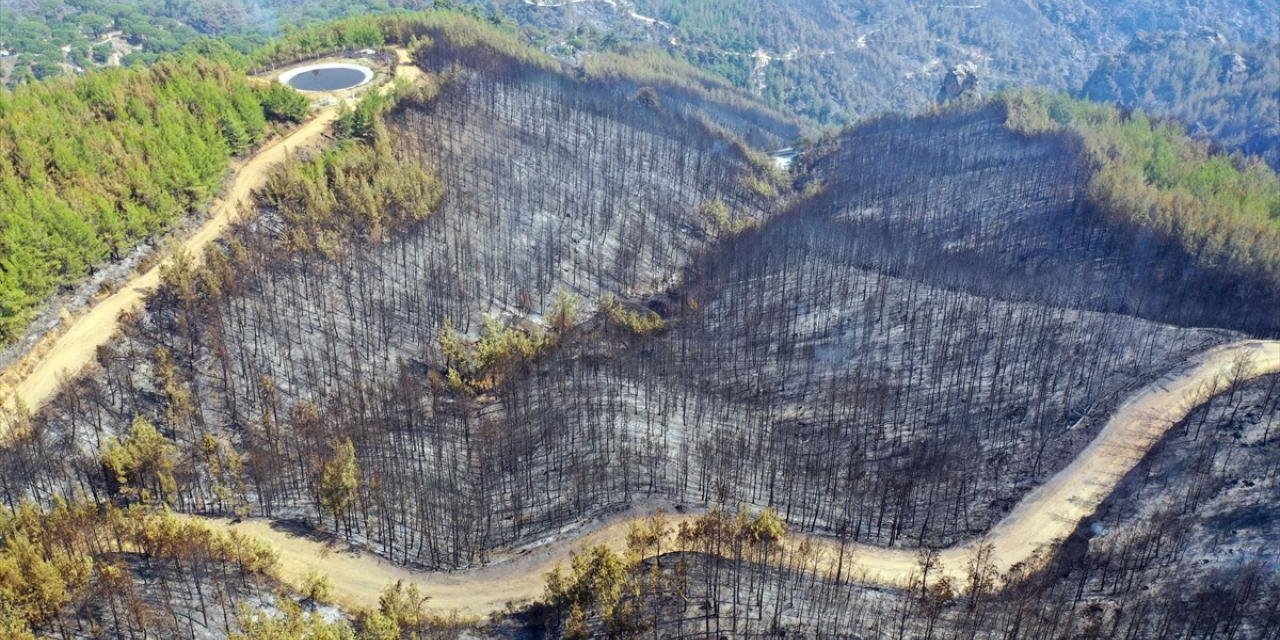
1116	213
1224	92
512	305
1181	550
91	167
839	61
494	238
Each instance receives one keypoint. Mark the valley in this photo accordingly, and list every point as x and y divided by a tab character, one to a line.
509	344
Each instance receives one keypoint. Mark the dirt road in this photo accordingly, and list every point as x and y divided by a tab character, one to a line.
77	346
1045	516
1042	519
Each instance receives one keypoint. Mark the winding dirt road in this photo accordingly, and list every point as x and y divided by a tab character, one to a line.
42	371
1043	518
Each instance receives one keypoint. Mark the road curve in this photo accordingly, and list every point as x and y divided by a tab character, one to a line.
68	353
1043	518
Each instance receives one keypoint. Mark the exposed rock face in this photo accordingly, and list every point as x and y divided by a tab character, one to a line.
1233	66
961	80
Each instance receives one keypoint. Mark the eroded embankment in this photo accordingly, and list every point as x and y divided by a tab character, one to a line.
1043	518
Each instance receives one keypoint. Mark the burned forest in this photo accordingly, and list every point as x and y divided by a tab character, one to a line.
519	299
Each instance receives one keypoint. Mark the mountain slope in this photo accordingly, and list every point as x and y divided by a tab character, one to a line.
1224	92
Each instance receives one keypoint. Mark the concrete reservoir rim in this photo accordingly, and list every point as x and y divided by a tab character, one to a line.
289	75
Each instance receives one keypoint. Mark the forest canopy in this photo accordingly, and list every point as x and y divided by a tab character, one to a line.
91	166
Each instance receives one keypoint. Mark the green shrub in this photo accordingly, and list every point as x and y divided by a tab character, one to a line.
638	322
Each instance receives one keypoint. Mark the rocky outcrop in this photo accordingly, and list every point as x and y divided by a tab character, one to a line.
1233	66
960	81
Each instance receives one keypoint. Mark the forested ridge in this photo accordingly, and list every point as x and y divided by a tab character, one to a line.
92	166
854	59
1211	66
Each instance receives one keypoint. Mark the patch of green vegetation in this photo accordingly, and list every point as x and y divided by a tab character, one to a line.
477	366
362	121
141	464
91	166
358	188
282	103
639	322
1225	210
722	222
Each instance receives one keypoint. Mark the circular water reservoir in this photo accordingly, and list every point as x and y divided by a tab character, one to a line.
330	76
